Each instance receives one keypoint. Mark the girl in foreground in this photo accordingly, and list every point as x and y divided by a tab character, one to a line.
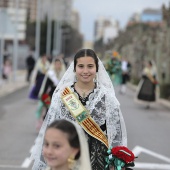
65	147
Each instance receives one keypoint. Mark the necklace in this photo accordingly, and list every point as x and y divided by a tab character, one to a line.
84	93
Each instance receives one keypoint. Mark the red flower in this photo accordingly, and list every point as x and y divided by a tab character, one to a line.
123	153
156	82
46	99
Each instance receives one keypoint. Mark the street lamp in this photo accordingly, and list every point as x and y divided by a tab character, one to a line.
49	24
38	30
2	41
15	57
65	36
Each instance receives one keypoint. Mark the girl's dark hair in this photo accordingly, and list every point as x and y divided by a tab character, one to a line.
67	127
85	53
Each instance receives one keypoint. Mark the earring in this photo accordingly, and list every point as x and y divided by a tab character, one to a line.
71	162
95	79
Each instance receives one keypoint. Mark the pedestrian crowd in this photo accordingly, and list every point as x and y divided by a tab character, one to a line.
120	68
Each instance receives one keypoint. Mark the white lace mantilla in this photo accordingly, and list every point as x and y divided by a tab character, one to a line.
102	105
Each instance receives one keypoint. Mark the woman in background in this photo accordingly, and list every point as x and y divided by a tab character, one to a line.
37	78
39	72
147	87
50	82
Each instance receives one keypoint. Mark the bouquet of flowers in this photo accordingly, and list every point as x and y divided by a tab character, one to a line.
46	99
119	157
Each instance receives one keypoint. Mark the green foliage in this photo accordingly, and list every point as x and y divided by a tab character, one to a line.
135	80
165	91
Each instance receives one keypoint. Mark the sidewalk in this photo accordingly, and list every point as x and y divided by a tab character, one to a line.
7	87
164	102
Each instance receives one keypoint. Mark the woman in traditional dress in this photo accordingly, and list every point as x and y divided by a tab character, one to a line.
51	80
147	86
39	72
37	78
86	95
113	67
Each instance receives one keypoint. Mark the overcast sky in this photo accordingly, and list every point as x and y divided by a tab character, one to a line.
120	10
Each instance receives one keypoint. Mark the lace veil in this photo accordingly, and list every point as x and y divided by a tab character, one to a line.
102	102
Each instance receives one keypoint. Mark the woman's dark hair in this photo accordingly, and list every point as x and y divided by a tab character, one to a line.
85	53
43	55
150	62
67	127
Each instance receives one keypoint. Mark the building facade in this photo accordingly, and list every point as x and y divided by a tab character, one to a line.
75	20
151	15
105	28
59	9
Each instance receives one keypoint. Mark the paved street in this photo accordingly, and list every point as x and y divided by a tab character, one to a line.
7	87
148	131
17	129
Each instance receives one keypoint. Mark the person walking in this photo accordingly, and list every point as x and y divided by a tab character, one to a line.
39	72
7	70
38	75
125	71
146	90
85	95
30	63
113	67
50	82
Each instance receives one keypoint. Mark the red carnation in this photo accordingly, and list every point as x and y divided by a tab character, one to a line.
46	99
123	153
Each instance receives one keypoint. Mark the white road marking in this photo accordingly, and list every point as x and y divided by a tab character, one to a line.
31	149
138	149
26	163
139	165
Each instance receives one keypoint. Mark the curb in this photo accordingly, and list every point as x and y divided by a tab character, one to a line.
7	87
164	102
12	87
